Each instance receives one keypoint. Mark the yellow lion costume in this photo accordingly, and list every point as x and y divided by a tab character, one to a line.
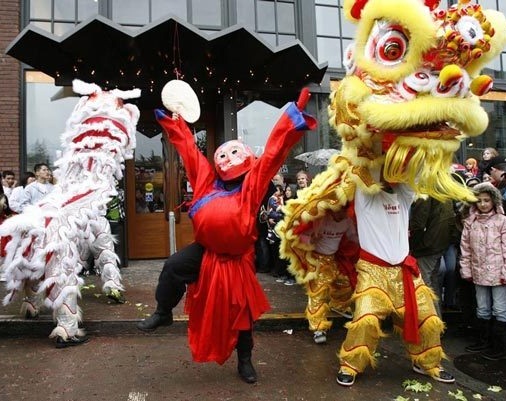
411	95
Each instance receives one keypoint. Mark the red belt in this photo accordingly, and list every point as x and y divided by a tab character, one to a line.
409	269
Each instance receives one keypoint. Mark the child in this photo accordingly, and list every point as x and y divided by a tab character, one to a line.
483	247
331	287
276	202
471	168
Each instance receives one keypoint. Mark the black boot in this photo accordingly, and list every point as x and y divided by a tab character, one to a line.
484	341
498	351
159	318
244	365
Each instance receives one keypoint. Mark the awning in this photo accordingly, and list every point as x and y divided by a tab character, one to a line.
101	51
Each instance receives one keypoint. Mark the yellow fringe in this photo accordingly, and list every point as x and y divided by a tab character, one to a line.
362	352
424	165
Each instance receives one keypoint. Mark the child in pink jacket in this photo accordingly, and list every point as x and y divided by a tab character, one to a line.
483	262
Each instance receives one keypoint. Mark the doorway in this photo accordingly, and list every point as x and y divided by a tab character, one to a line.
147	228
156	185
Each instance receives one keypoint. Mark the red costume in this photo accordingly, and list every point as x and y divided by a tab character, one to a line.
227	296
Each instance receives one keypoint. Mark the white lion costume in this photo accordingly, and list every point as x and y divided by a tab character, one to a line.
51	240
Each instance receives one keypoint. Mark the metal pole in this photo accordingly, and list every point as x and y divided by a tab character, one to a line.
172	232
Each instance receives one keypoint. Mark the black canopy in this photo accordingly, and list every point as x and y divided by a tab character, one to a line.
101	51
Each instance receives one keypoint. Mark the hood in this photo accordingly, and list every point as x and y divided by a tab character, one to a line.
495	194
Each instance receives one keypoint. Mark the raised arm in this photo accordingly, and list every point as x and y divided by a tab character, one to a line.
198	169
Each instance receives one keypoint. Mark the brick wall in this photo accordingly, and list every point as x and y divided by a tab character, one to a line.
9	88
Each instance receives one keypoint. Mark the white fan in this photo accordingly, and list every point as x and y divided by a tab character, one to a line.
179	97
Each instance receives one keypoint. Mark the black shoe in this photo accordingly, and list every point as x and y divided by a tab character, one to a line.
345	379
443	376
70	342
247	371
155	320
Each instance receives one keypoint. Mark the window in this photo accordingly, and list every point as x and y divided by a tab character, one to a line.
274	20
149	197
60	16
45	118
333	32
493	136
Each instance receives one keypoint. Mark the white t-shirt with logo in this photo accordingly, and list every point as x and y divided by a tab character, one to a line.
383	222
330	233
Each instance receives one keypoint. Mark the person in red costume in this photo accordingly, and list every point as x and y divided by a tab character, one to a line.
224	297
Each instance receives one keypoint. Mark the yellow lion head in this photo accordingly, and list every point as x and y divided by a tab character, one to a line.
411	93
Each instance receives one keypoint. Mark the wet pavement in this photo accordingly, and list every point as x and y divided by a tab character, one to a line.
121	363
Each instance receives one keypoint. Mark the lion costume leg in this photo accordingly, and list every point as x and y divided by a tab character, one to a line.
429	352
318	294
379	294
68	316
30	307
372	305
340	294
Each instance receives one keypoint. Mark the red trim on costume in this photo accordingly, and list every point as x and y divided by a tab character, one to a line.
121	127
3	243
28	249
302	228
76	197
388	139
102	133
49	289
432	4
408	265
346	258
356	10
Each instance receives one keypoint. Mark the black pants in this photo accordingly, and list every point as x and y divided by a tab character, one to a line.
180	269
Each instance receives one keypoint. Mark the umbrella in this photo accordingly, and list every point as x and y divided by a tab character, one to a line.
318	157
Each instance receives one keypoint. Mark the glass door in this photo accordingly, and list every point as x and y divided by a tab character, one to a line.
148	228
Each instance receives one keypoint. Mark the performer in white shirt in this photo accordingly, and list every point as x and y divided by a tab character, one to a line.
330	275
18	193
389	283
38	189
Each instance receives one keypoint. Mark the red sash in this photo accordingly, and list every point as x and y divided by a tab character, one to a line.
409	269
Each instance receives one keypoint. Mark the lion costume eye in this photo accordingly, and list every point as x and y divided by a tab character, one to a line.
470	29
387	43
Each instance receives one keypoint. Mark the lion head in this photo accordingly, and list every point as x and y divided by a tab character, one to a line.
411	93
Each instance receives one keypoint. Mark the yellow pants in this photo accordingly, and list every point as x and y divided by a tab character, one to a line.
330	289
380	293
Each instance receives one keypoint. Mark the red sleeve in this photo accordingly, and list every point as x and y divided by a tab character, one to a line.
198	169
286	133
